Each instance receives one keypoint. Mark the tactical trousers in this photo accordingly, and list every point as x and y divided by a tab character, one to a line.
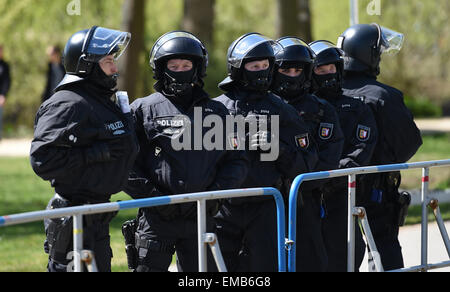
383	218
311	253
247	235
59	241
157	239
334	228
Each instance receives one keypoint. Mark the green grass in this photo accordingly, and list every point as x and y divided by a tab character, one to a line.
21	247
435	147
415	214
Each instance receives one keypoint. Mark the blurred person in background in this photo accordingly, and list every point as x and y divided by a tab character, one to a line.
55	71
5	84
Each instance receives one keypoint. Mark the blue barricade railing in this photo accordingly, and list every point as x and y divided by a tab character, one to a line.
351	173
200	198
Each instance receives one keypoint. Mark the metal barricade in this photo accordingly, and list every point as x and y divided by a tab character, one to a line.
203	238
359	212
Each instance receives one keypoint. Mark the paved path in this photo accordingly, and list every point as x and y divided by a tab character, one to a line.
15	147
410	240
434	125
21	147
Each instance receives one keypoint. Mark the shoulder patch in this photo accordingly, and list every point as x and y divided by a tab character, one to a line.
363	133
326	131
302	141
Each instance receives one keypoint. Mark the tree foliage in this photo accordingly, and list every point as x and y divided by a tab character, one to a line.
28	27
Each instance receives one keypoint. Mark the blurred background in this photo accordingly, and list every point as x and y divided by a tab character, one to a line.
29	27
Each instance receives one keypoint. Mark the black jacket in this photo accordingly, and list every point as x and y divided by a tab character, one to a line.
399	138
68	124
356	120
162	170
5	78
325	127
298	150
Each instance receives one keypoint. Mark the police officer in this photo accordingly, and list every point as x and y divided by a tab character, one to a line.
248	225
84	142
399	138
292	80
179	61
360	131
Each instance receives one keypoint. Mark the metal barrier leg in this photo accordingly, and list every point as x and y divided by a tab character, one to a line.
434	204
213	242
77	242
87	256
362	215
351	223
424	251
201	222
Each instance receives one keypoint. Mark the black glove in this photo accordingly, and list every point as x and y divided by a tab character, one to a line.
104	152
260	140
213	206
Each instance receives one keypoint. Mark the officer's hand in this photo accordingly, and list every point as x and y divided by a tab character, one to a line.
2	100
260	140
213	206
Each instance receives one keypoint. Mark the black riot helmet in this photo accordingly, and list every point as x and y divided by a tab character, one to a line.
249	47
327	53
86	48
292	52
178	44
364	44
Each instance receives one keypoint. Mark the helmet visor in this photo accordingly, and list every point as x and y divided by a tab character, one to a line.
108	42
287	42
391	41
167	37
244	46
320	46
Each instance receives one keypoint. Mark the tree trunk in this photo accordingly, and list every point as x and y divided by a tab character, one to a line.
304	21
294	19
199	20
133	22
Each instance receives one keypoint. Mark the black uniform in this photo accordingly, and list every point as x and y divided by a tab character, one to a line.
251	221
85	146
161	170
381	190
360	131
325	127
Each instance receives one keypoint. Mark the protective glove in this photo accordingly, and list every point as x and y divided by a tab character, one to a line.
261	140
213	206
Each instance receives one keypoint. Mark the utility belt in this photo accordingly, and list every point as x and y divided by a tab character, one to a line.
384	193
59	232
133	243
